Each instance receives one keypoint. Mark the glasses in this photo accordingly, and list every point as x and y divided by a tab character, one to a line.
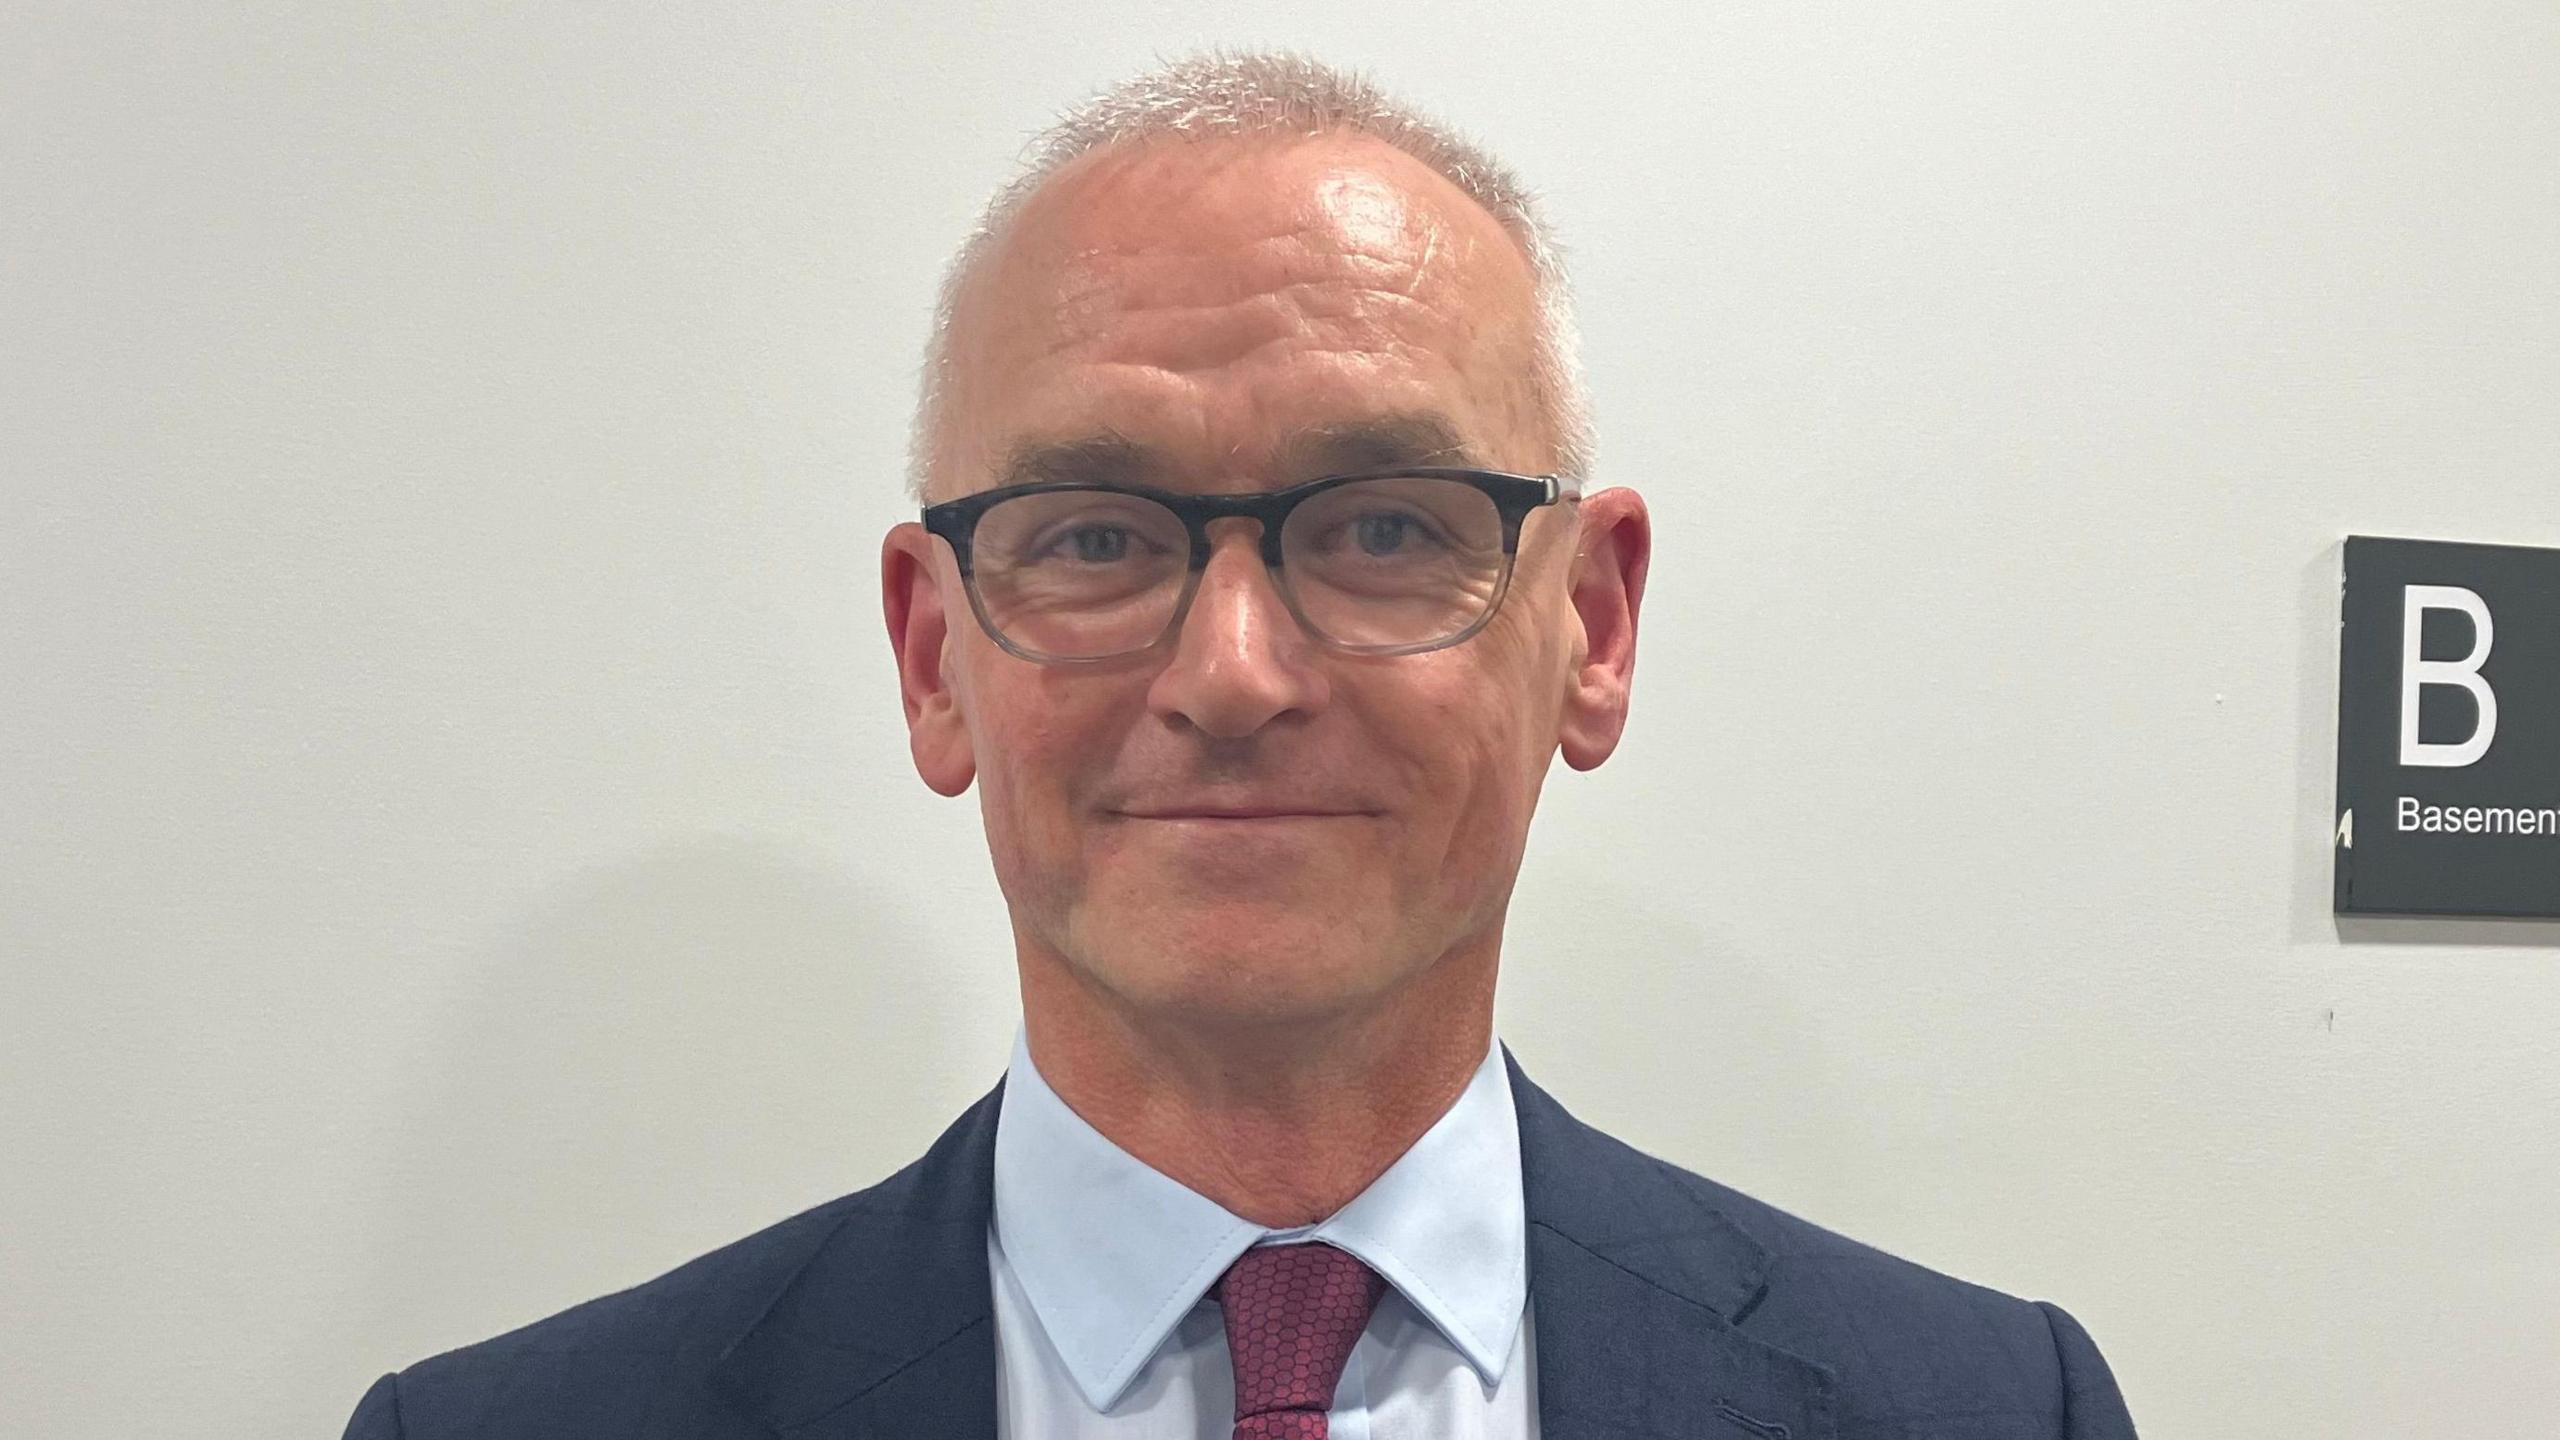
1385	562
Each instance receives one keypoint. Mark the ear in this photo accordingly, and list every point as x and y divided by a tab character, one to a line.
912	595
1606	589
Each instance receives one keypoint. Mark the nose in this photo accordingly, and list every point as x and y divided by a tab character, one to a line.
1240	661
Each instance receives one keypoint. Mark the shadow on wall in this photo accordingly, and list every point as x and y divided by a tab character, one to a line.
670	1055
2436	930
1630	1061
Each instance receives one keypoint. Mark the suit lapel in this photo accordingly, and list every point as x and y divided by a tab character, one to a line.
887	1329
1639	1290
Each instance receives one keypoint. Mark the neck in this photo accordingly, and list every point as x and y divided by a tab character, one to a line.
1282	1122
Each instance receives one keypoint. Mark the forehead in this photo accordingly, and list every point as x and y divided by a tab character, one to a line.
1227	306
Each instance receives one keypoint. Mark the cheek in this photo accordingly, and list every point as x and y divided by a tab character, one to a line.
1500	789
1476	758
1039	745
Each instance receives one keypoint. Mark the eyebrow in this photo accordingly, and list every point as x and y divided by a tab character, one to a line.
1109	458
1412	437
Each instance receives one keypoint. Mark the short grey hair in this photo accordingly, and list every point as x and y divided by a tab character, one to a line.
1221	93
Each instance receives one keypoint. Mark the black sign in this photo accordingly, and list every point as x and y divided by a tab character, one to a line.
2449	730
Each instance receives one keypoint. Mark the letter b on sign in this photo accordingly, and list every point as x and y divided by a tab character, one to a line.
2417	673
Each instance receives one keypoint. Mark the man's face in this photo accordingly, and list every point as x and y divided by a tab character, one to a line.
1242	825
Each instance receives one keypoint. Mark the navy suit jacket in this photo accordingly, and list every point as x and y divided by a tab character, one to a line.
1667	1305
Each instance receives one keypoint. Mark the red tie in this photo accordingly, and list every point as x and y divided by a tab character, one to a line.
1293	1314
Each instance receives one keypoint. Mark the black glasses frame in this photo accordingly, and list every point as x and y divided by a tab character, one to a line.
1513	496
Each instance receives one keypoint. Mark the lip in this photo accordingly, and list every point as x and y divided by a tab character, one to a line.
1242	813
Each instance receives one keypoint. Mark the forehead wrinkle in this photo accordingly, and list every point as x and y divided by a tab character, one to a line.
1303	253
1098	298
1185	322
1187	342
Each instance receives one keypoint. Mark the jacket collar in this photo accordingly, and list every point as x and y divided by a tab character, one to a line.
1640	1289
885	1330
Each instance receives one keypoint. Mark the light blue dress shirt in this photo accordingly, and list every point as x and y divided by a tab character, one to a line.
1101	1267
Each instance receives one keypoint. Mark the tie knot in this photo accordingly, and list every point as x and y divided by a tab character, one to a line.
1293	1313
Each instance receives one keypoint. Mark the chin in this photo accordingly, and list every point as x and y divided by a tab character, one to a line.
1243	970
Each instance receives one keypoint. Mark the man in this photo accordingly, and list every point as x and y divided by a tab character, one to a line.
1254	589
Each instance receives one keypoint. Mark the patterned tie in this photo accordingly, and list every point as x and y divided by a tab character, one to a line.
1293	1314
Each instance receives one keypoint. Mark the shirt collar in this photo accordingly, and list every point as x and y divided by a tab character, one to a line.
1112	1252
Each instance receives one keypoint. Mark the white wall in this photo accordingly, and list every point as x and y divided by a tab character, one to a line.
457	853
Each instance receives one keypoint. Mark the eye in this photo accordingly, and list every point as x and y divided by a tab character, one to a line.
1388	534
1097	544
1383	534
